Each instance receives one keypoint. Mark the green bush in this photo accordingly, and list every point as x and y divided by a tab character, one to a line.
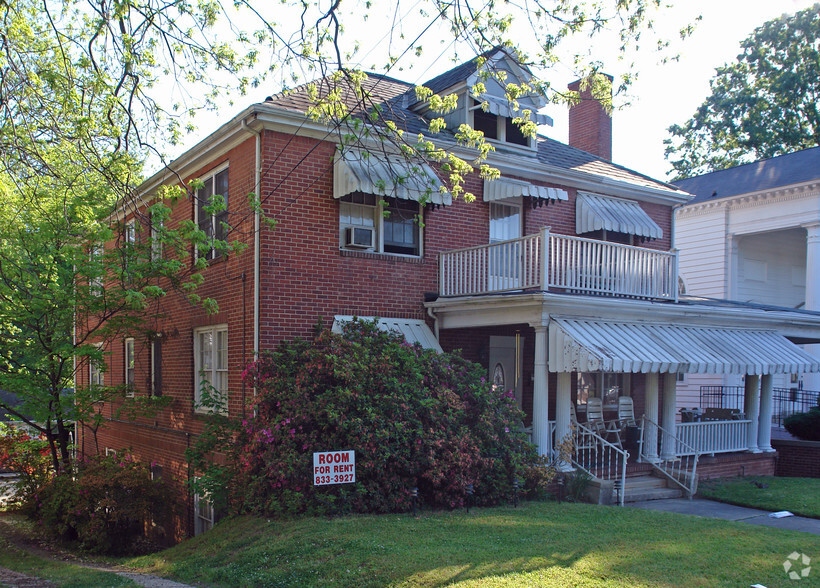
105	506
29	457
414	418
805	425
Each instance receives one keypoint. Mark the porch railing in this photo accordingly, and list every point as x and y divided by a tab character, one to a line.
598	457
547	261
680	468
785	401
712	437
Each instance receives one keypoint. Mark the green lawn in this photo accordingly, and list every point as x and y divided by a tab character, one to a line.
537	544
801	496
59	572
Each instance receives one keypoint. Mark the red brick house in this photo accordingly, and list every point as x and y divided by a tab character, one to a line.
561	278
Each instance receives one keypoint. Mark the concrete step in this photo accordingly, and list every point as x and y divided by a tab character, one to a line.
645	482
641	494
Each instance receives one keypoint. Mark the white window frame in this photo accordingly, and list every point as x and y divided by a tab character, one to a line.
96	376
210	177
214	373
156	242
96	284
154	371
129	371
203	514
501	127
599	378
377	213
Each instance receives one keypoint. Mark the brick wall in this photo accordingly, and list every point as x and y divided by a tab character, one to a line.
797	459
304	276
730	465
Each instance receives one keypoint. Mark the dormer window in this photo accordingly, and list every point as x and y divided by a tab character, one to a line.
497	127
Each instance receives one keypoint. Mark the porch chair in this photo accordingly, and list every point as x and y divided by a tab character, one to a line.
596	422
626	413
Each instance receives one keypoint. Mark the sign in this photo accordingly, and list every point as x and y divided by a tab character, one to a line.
334	467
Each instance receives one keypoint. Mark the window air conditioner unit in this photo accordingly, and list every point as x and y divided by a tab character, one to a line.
359	238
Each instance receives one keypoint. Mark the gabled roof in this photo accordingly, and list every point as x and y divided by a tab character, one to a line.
783	170
396	98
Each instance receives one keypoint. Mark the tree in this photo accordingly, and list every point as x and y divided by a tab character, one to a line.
84	89
764	105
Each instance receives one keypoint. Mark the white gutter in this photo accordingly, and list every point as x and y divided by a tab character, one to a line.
257	188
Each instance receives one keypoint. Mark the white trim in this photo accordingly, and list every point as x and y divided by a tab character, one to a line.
214	373
129	386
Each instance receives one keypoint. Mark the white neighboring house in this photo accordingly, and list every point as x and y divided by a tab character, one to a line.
751	234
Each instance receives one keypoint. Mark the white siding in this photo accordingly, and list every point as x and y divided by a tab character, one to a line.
772	268
701	240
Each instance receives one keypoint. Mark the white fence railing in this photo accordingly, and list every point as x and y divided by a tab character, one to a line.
598	457
712	437
559	262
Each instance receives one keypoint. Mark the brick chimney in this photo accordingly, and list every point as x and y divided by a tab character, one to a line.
590	127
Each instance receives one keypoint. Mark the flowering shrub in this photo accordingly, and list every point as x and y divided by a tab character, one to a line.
414	418
105	505
26	455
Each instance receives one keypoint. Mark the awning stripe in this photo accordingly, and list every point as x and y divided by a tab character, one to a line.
500	106
355	170
509	188
594	212
590	346
413	330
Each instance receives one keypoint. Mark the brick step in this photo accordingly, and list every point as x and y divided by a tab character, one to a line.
645	482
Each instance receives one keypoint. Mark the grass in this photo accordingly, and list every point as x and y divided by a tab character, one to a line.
800	496
59	572
543	544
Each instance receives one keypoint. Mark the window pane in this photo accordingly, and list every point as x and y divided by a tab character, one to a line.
221	359
205	350
221	187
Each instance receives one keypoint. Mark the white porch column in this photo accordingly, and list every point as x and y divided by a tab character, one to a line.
764	433
812	381
540	395
752	408
650	434
562	424
670	401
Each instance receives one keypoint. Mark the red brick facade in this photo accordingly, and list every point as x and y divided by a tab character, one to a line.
304	277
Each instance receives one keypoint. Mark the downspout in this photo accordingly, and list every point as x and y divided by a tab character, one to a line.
257	183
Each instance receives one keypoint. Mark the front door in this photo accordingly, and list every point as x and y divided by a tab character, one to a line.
505	258
505	365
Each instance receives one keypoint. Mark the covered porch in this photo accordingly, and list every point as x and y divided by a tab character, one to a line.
648	344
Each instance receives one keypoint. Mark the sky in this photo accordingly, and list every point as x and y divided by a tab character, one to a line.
663	94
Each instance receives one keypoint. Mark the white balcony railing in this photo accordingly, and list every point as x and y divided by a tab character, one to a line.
714	436
558	262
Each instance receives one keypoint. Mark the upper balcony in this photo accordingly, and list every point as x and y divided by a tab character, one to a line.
560	263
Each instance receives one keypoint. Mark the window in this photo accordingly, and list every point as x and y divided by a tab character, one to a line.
156	367
497	127
130	235
203	514
129	367
212	224
95	282
96	374
610	237
156	242
211	368
606	386
369	223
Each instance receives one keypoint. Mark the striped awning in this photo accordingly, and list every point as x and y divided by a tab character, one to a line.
509	188
594	212
591	346
413	330
499	105
355	170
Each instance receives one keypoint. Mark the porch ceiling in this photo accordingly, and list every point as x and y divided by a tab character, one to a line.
588	346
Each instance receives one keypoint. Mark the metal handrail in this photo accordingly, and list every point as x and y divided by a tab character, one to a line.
600	469
663	465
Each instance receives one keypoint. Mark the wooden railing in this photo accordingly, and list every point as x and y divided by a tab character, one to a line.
712	437
559	262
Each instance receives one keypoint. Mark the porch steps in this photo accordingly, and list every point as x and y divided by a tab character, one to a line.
649	487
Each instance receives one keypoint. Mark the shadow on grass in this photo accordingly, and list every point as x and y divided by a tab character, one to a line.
542	544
